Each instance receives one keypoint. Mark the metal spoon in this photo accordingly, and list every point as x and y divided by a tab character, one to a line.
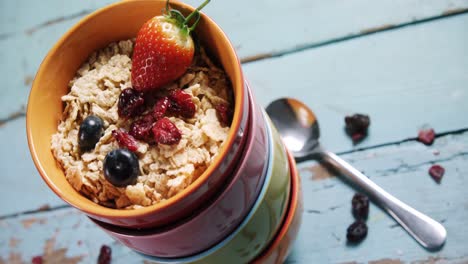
299	129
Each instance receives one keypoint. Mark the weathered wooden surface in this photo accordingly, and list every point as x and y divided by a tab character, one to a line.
412	72
402	78
256	28
401	169
387	75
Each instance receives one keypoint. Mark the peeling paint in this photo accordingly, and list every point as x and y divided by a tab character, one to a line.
13	243
377	29
28	79
386	261
430	260
442	260
43	208
256	57
52	255
13	258
319	172
27	223
454	11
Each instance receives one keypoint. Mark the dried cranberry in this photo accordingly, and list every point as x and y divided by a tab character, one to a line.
360	205
182	104
426	136
131	103
141	128
37	260
436	172
165	132
105	255
356	126
161	107
356	232
224	114
125	140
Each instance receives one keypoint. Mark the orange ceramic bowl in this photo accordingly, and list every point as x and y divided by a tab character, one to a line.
281	246
121	21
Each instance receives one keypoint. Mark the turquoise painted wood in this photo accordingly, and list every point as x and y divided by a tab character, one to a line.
32	27
412	75
401	169
389	75
20	181
404	79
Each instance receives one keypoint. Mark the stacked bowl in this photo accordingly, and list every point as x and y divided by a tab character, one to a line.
246	206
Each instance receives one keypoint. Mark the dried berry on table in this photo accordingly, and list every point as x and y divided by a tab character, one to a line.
360	206
356	232
165	132
37	260
426	136
105	255
121	167
356	126
90	132
125	140
131	103
436	172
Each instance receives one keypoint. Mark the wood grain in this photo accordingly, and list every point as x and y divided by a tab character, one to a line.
404	79
404	62
400	169
256	28
397	77
20	182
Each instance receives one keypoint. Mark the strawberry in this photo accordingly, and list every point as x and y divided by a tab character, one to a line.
163	49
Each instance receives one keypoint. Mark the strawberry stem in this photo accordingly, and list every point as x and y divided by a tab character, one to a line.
195	13
181	21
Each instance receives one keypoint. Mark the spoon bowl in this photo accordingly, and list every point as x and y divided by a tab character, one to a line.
299	129
297	125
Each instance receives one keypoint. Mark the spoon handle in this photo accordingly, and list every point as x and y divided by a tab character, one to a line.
428	232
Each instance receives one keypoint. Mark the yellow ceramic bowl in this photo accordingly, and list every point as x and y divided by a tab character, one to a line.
121	21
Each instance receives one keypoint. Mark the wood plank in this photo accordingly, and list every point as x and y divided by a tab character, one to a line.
20	181
30	28
403	79
395	76
26	17
401	169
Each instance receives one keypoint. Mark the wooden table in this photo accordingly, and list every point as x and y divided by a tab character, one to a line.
403	62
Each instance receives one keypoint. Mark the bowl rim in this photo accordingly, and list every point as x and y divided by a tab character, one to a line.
288	213
106	212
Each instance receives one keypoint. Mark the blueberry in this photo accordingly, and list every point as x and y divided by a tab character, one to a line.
360	205
121	167
356	232
90	132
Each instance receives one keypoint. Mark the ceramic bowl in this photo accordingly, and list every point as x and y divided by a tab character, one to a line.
256	231
281	246
45	109
221	216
